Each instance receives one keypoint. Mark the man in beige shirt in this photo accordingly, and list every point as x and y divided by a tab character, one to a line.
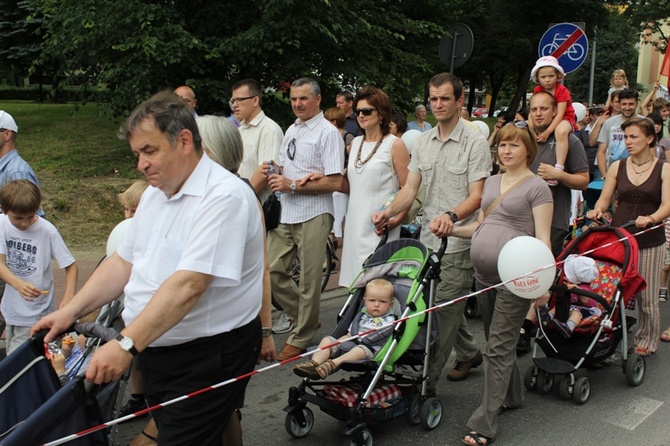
260	134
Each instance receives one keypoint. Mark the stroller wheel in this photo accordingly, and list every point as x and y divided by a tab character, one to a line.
362	437
582	390
635	369
299	422
431	413
545	381
530	379
414	412
564	389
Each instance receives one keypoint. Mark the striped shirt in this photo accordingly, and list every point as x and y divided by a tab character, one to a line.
316	146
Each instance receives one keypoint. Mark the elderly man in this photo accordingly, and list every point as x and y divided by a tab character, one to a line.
453	161
310	162
542	107
260	134
191	267
187	94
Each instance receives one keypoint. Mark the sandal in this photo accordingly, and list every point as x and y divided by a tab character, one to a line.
326	369
307	370
479	439
665	336
642	351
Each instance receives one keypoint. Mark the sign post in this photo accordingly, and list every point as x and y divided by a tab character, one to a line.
568	43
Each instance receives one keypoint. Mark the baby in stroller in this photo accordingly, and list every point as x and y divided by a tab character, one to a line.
579	272
379	311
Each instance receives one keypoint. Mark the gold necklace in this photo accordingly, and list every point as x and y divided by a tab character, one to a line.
361	164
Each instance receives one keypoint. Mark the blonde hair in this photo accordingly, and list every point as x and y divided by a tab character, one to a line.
622	73
381	284
130	198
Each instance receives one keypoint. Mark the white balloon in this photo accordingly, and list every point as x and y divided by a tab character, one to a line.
483	128
117	235
409	138
519	261
580	111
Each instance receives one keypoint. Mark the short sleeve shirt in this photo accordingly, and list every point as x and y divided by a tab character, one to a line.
211	226
576	162
447	168
318	148
28	255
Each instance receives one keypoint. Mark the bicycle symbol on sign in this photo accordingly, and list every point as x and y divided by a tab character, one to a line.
574	53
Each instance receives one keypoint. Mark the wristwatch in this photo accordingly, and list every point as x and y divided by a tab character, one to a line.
266	331
452	215
127	344
293	187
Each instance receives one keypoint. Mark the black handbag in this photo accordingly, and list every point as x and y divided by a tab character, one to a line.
271	212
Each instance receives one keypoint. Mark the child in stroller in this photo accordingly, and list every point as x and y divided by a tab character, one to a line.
579	271
378	312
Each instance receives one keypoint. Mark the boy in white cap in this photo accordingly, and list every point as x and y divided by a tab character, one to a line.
549	74
579	272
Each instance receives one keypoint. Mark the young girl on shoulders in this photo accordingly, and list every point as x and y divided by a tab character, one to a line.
549	74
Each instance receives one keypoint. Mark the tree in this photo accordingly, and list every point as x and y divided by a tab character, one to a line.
19	42
137	47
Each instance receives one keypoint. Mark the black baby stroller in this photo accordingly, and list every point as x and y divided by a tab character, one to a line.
35	409
596	338
394	383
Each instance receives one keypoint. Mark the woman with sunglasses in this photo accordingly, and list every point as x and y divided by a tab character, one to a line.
377	169
516	203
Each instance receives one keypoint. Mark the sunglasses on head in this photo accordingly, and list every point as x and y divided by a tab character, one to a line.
365	111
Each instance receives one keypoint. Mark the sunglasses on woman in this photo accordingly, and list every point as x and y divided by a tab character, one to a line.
365	111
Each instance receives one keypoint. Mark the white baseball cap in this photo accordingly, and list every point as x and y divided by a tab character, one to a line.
580	269
7	122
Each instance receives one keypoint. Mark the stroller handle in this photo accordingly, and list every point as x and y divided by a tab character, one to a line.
443	247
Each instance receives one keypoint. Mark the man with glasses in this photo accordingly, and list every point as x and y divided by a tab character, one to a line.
453	161
310	163
542	107
261	135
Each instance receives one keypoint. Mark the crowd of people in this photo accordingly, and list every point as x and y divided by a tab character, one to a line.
200	274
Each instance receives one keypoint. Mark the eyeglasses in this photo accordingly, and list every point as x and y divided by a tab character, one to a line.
290	150
233	100
365	111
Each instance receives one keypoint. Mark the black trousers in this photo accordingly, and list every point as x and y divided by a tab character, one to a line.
170	372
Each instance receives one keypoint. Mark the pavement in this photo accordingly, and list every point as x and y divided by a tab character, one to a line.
616	414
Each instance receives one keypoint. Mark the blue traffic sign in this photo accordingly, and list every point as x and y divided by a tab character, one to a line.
568	43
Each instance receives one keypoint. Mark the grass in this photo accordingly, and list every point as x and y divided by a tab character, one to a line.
81	166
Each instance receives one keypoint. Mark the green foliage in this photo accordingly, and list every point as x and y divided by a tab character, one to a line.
135	48
80	163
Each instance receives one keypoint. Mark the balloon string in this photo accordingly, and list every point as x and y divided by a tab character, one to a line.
334	344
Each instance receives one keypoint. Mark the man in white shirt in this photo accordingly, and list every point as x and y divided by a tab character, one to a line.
191	267
260	134
311	158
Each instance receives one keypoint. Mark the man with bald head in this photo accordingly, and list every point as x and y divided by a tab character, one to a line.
186	93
